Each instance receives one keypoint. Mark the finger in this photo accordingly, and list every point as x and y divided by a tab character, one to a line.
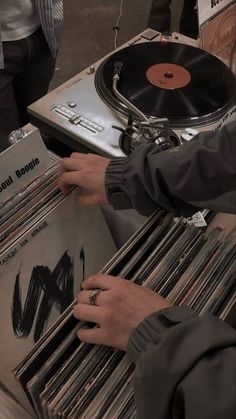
69	163
95	335
63	186
76	155
62	168
104	282
69	179
74	164
81	156
87	313
83	298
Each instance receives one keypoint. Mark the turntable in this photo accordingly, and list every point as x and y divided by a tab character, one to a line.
157	88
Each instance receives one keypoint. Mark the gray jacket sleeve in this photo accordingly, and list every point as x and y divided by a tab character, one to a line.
198	174
185	366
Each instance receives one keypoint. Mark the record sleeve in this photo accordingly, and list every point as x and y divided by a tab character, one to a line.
207	9
218	36
41	274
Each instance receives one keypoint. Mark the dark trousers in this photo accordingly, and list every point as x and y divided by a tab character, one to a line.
29	67
160	17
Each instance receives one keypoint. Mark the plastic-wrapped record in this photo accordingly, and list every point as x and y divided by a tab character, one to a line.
168	80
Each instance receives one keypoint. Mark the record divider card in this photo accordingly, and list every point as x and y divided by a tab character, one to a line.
21	163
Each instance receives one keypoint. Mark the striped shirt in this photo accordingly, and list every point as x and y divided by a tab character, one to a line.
51	19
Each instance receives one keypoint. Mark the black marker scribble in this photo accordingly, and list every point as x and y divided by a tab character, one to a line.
57	288
82	262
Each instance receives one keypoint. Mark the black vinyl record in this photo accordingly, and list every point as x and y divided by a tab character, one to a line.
168	80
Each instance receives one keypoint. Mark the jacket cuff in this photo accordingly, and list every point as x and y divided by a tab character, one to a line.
114	184
150	329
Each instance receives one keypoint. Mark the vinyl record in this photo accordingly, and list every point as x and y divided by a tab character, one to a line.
168	80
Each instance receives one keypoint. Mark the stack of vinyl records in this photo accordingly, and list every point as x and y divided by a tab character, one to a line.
19	211
48	244
65	378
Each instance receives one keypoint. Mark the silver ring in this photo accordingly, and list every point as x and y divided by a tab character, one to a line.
93	297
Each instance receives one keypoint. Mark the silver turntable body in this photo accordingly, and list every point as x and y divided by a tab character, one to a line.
75	113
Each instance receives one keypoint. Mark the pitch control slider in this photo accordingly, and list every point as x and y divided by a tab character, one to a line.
76	119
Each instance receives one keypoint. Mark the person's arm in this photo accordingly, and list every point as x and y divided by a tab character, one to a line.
185	366
198	174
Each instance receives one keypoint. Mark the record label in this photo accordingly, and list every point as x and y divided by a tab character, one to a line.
168	76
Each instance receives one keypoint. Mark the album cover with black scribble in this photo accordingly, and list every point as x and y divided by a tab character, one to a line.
40	275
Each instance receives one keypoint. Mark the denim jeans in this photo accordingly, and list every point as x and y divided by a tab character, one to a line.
160	17
29	67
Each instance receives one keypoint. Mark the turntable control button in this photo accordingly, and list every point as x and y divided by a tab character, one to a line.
72	104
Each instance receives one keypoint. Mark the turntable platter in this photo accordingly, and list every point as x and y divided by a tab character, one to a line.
168	80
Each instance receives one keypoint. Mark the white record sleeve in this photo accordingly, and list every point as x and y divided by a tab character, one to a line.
40	275
209	8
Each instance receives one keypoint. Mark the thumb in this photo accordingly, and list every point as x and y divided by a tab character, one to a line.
103	282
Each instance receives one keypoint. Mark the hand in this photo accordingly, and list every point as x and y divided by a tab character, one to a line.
87	171
120	307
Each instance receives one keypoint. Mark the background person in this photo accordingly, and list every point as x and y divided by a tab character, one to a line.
30	35
159	17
